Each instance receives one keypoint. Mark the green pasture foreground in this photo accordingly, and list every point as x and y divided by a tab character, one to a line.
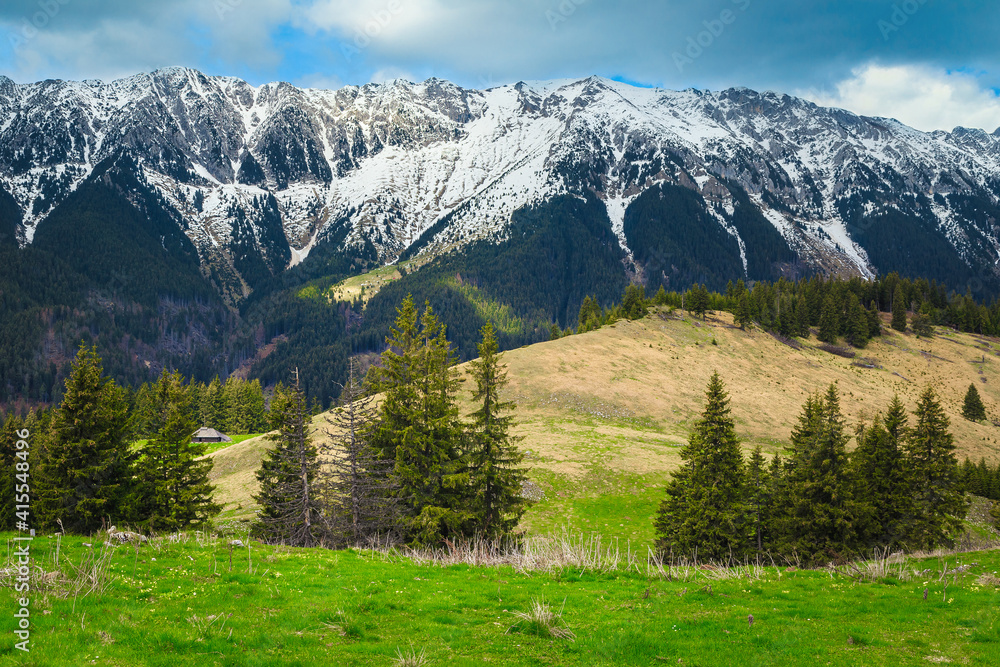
178	603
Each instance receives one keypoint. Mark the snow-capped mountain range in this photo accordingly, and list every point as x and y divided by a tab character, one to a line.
280	169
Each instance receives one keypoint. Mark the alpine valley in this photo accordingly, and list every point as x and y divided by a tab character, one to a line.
204	224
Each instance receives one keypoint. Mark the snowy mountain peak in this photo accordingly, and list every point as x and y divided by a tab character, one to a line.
387	166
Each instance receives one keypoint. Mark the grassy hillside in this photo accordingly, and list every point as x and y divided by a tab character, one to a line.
604	414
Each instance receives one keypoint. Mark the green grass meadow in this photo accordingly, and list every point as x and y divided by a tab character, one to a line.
182	603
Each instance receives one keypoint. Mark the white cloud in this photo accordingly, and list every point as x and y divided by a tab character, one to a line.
391	73
921	97
122	38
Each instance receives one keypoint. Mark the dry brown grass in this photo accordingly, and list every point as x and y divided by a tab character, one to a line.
622	399
654	371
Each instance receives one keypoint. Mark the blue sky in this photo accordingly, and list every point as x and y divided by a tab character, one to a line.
931	63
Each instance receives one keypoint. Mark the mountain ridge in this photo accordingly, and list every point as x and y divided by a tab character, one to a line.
261	175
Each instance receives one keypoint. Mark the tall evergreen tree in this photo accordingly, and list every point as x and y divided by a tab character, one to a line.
899	309
874	321
213	410
802	317
633	306
973	408
359	487
818	511
921	324
698	301
934	475
9	435
882	484
743	314
173	487
84	475
419	428
291	510
759	499
590	315
857	323
830	320
704	511
496	475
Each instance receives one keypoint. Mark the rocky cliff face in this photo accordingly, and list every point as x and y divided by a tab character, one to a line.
258	176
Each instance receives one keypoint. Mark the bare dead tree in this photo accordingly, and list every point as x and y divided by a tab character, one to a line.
358	485
291	508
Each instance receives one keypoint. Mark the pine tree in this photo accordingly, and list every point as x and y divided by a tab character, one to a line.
899	309
419	428
84	474
698	300
874	321
590	315
633	306
704	512
496	475
829	323
291	510
744	313
660	299
817	508
359	488
173	487
12	431
882	481
857	323
255	408
802	317
921	325
146	410
213	409
759	499
934	476
973	408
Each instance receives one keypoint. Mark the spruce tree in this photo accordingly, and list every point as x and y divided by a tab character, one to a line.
921	325
359	487
291	510
213	411
830	320
9	435
173	487
496	475
419	428
590	315
898	309
882	483
660	299
633	306
802	317
698	301
704	512
818	511
758	500
874	321
743	314
84	476
857	323
973	408
934	476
